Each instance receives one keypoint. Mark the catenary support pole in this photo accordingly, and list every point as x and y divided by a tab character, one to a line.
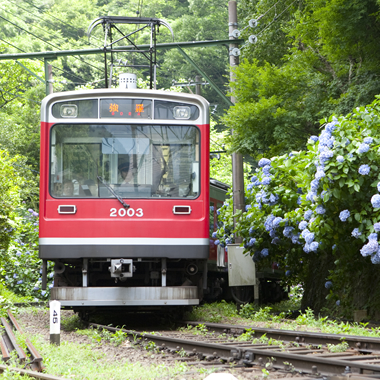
237	158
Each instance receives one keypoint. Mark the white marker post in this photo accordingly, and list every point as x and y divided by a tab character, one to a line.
55	322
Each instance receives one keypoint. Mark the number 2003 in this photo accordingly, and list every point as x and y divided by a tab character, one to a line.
123	212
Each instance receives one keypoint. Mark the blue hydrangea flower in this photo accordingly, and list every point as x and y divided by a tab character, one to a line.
263	162
254	179
268	222
288	231
311	221
333	247
276	222
364	169
214	234
371	247
344	215
375	258
36	288
314	138
308	214
18	253
43	292
309	237
305	232
325	155
310	196
328	284
314	184
216	242
372	236
302	225
288	273
276	240
14	275
272	233
376	226
356	233
247	207
306	248
332	125
320	173
251	230
314	246
378	186
266	170
375	200
340	159
265	252
273	199
337	303
266	181
363	148
320	210
251	242
249	186
295	238
19	282
368	140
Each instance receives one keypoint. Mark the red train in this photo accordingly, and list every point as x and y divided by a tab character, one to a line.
125	197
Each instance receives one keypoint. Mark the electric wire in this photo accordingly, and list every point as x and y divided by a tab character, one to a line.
19	96
57	68
55	46
261	16
56	18
277	17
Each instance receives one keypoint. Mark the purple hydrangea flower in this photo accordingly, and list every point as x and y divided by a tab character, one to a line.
356	233
344	215
263	162
375	200
363	148
364	169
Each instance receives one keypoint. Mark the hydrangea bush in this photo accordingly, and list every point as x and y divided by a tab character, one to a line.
21	268
318	209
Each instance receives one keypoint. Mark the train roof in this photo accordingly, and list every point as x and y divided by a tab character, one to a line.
219	184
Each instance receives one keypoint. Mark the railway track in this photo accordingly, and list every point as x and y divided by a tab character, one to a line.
281	350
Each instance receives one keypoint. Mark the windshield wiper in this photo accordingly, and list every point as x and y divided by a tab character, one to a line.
113	192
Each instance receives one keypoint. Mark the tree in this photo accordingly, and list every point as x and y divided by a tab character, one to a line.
312	59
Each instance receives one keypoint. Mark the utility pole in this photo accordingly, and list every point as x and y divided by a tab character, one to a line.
237	158
198	79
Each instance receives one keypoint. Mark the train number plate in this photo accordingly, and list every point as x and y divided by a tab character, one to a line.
122	212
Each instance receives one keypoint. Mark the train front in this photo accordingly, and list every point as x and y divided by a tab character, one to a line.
124	197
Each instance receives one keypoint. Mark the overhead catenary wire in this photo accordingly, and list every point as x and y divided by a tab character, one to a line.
34	35
57	68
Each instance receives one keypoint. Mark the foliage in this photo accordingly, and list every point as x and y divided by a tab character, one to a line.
312	59
20	269
318	205
214	312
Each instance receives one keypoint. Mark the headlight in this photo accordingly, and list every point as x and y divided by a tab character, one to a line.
69	110
181	112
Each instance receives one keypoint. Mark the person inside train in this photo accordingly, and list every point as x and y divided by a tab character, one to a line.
125	173
68	188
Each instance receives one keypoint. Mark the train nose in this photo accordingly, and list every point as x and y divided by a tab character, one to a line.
192	269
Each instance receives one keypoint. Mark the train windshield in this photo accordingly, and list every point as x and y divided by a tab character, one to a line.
135	161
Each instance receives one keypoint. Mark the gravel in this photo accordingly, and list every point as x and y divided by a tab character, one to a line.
36	322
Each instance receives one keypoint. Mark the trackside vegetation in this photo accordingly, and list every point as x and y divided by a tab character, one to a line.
316	213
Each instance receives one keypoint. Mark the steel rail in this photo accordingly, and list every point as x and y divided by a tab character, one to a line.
249	354
35	375
362	343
